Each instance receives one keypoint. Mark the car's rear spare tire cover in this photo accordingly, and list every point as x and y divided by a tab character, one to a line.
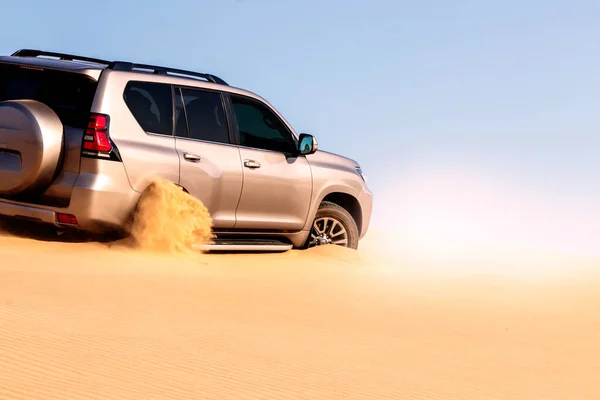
31	141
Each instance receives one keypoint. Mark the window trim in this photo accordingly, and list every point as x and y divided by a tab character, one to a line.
224	104
250	99
173	123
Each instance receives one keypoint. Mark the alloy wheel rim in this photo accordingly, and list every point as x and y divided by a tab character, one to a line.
327	230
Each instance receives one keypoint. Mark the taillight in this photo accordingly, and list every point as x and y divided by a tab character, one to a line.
66	219
96	134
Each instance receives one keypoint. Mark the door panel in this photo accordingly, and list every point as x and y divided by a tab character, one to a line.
212	173
275	195
210	167
277	186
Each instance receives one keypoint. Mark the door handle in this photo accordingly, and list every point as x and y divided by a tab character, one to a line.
251	164
192	157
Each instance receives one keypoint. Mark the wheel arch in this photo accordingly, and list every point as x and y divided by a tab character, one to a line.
343	199
182	188
349	203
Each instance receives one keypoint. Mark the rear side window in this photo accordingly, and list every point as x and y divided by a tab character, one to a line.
69	95
152	106
205	116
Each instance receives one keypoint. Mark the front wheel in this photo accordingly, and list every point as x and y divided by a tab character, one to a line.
333	225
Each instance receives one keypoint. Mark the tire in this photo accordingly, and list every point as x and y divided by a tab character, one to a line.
31	135
328	220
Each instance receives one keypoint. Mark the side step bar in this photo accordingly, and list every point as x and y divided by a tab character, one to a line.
245	245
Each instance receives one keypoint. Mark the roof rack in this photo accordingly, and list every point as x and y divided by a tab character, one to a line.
128	66
119	65
62	56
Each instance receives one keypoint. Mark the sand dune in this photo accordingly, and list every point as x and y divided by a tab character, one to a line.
90	321
147	318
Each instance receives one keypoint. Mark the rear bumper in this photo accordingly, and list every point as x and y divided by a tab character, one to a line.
102	201
11	209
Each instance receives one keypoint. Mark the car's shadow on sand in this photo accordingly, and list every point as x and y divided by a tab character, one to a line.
47	233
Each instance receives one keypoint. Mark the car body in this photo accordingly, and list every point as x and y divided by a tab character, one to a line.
81	139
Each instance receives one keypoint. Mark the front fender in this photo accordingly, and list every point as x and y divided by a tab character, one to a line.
324	192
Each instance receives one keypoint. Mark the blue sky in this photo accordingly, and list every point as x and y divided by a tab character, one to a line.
509	90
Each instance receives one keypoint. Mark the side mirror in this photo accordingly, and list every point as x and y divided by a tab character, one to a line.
307	144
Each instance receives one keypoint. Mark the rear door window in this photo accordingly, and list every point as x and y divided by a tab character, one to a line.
152	106
69	95
205	115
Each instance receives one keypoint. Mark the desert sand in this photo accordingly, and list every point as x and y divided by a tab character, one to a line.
106	321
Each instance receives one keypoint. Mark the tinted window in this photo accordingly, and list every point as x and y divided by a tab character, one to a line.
260	128
205	116
70	95
152	106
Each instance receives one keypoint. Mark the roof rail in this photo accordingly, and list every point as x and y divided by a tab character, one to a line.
119	65
62	56
128	66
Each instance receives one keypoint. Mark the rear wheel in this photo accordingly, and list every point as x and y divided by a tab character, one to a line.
333	225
